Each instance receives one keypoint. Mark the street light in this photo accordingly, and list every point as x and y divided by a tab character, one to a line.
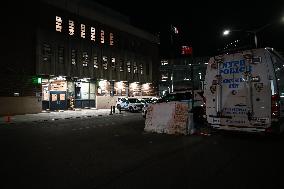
227	32
254	32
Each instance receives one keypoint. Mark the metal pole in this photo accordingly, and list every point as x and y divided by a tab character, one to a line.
192	86
255	39
172	81
89	95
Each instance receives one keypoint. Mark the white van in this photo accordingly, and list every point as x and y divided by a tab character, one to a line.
244	91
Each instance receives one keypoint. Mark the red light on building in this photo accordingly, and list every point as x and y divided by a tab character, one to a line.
186	50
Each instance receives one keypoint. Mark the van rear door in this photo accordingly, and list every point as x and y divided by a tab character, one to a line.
241	95
233	97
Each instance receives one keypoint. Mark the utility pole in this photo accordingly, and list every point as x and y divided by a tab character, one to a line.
192	85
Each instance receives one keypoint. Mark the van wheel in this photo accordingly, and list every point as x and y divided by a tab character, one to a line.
198	115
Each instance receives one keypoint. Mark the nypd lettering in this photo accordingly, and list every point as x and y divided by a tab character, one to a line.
234	67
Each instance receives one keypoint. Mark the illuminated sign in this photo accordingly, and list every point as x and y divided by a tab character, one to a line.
93	34
102	36
71	27
83	30
71	30
186	50
58	26
36	80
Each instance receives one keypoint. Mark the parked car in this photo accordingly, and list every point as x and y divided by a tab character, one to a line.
129	104
146	100
147	103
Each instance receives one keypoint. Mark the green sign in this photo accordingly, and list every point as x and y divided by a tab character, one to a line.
36	80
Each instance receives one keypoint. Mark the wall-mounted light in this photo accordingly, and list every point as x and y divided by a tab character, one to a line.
146	86
120	85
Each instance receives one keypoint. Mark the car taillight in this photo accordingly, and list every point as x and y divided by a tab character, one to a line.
275	109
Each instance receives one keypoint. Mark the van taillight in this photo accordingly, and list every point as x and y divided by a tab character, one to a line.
275	109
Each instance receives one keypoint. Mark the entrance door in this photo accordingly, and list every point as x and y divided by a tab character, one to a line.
58	100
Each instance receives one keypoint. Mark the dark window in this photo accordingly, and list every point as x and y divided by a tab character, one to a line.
147	68
61	55
46	53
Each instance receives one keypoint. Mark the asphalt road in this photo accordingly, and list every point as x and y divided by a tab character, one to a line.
115	152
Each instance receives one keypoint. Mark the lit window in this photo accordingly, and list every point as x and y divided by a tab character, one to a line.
164	77
85	59
96	62
135	68
83	30
128	64
113	63
164	62
111	39
121	65
58	24
73	57
105	62
102	36
71	27
93	34
141	69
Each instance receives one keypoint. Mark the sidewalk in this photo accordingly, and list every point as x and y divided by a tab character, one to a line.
52	116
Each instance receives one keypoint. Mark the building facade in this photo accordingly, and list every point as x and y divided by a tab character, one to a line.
75	54
182	74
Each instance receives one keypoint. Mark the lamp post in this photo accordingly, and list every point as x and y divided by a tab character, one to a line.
254	32
227	32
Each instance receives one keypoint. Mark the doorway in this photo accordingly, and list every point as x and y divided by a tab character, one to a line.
58	100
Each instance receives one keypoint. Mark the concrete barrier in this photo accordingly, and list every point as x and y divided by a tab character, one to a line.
169	118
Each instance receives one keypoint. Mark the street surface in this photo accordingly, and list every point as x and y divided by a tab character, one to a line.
113	151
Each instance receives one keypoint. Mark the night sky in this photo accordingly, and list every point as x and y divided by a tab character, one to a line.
200	23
